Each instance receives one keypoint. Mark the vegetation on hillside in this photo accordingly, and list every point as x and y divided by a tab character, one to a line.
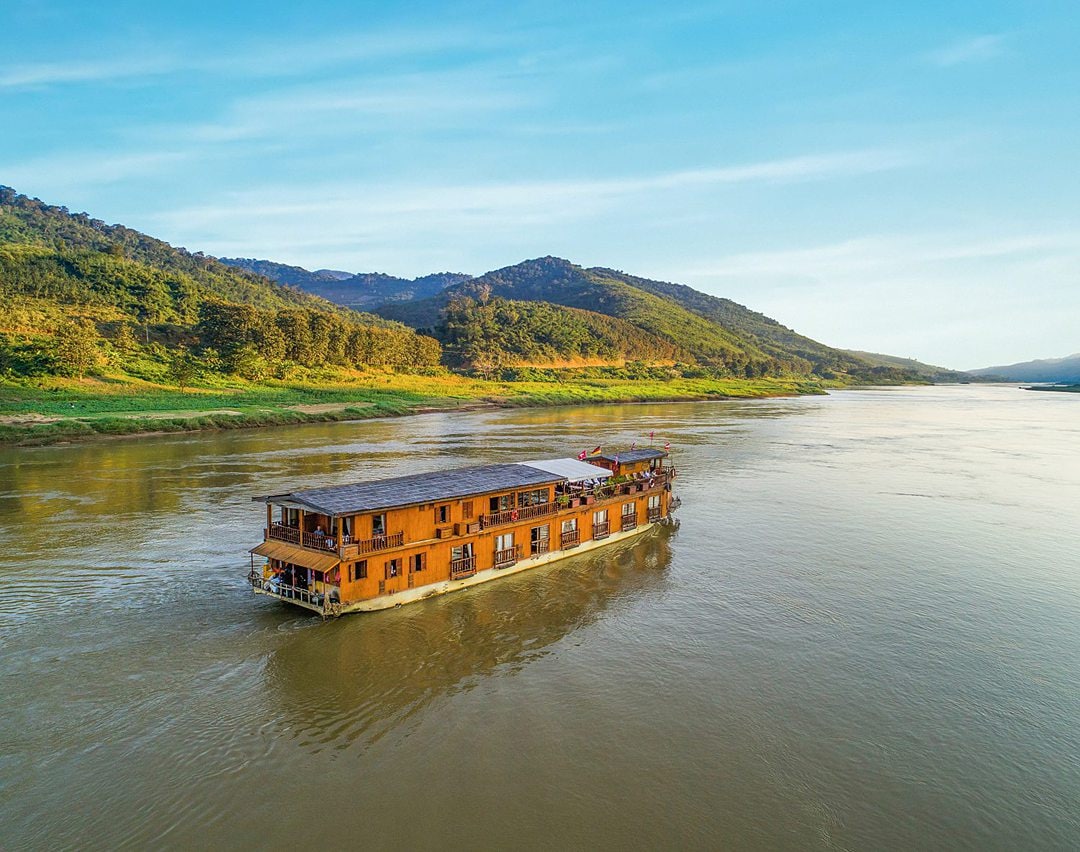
493	332
81	295
713	332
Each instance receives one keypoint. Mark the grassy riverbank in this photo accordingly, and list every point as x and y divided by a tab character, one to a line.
55	409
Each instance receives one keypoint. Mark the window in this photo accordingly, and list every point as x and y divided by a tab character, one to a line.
654	501
359	570
442	515
393	568
462	552
533	498
378	525
504	541
629	509
569	526
418	561
502	503
600	517
467	510
539	533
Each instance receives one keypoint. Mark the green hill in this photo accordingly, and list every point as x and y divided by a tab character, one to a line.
77	290
711	331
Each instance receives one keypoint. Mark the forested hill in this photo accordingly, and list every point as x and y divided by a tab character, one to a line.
71	282
711	331
362	291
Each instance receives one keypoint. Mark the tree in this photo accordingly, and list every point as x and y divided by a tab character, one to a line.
183	367
76	347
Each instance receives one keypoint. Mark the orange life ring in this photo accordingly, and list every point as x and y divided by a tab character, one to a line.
514	515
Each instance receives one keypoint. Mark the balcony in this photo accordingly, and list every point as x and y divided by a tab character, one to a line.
509	556
523	513
542	545
328	543
629	522
464	567
654	514
602	530
571	539
294	535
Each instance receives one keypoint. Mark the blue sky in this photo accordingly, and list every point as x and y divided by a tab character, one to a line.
902	177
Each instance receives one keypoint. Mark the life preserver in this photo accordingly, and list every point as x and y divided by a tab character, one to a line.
514	515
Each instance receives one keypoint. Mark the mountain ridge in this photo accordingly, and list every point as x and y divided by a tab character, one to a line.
1064	370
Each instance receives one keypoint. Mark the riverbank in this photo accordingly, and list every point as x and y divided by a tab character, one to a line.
53	410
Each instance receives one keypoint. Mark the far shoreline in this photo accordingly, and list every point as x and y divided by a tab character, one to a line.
33	429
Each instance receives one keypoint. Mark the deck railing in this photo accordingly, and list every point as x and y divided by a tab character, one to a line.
509	556
629	522
318	600
601	530
294	535
321	541
522	513
464	567
541	545
572	538
371	545
654	514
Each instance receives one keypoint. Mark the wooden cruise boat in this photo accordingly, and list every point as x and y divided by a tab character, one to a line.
377	544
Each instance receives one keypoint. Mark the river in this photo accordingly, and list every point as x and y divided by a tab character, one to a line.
864	634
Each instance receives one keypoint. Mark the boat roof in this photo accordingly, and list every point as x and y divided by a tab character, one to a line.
630	456
433	487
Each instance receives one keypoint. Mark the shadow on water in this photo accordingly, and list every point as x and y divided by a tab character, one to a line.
356	679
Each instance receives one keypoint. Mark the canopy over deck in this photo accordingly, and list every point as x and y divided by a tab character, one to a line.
297	555
571	470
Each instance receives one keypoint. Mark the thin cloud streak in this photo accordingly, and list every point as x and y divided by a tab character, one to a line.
264	59
973	49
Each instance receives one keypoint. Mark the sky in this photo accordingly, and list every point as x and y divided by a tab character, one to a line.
896	177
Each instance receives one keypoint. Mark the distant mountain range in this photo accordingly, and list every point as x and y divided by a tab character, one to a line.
360	291
1065	370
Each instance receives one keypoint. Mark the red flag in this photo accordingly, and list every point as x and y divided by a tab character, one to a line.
667	446
581	456
595	452
651	434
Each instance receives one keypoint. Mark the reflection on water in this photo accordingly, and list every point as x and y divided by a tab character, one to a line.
865	634
336	686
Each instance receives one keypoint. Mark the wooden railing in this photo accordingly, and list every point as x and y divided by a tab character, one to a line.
297	594
629	522
571	539
654	515
522	513
318	541
601	530
464	567
509	556
370	545
541	545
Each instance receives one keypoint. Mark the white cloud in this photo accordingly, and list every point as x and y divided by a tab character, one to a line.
972	49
